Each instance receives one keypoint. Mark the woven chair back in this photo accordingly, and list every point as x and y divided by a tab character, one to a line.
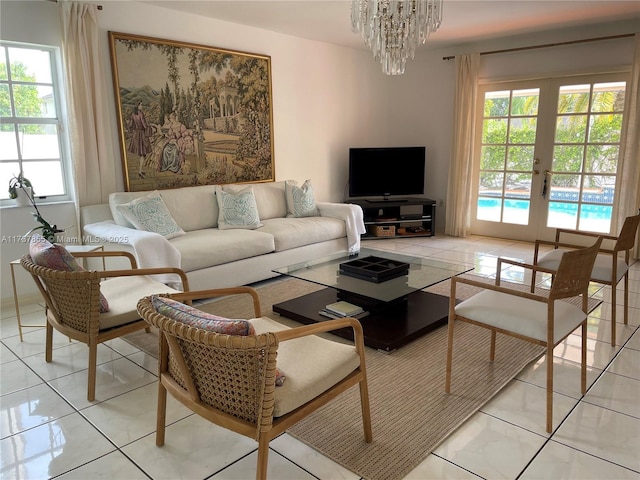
574	272
627	237
73	298
229	373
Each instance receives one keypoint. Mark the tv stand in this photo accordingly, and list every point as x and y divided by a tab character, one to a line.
386	200
403	217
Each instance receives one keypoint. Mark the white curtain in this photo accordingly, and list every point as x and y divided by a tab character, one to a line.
88	112
459	207
630	148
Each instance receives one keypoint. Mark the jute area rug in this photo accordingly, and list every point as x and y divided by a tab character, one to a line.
411	413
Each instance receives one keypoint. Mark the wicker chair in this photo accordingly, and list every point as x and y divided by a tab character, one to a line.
230	380
610	267
536	318
73	302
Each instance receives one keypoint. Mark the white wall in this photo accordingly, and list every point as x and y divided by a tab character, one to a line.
325	98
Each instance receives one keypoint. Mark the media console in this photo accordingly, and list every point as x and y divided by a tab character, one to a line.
406	217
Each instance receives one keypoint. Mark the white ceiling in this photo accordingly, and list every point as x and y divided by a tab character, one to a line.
464	21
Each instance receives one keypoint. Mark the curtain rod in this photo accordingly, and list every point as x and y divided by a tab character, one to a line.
56	1
546	45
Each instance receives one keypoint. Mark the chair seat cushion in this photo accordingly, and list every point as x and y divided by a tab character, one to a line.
313	364
601	269
520	315
123	294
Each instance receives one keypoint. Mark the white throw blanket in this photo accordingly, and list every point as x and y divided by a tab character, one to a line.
151	249
353	219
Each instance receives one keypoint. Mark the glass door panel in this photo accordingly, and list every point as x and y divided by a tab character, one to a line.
585	156
547	156
507	157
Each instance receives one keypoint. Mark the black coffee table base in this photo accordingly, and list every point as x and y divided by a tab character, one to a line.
386	328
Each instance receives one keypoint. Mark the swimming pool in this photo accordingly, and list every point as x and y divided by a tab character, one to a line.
596	218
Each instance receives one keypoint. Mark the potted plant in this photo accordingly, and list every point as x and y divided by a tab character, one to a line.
19	183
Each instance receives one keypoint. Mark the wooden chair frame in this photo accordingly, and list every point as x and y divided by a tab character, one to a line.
72	302
624	243
181	346
572	279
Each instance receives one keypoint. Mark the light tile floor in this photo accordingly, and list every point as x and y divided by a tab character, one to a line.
48	429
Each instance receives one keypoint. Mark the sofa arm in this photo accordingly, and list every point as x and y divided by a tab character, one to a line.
352	216
150	249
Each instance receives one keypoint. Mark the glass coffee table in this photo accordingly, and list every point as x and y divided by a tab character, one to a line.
399	311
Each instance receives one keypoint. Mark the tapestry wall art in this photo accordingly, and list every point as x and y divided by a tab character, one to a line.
191	114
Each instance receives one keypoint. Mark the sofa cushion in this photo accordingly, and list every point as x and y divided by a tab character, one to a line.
300	200
151	214
270	198
296	232
237	209
193	208
212	246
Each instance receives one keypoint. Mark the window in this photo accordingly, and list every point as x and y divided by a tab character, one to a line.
30	106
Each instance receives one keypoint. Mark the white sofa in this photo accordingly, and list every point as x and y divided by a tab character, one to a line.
213	257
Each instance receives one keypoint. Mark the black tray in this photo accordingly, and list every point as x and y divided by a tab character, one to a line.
374	269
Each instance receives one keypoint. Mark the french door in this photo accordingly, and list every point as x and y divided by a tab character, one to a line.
547	155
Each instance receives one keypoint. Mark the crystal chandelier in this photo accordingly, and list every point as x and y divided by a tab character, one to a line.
392	29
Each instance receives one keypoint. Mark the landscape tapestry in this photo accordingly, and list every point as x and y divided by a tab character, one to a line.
191	114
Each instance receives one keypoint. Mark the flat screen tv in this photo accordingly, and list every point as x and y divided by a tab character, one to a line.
386	172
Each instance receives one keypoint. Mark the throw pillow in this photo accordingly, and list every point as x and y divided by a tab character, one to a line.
151	214
56	257
197	318
300	200
237	209
206	321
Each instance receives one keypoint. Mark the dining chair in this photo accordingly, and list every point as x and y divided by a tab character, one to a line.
543	318
230	379
611	265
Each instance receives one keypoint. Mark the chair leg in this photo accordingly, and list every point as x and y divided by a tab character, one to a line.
550	388
161	414
583	359
148	329
366	411
626	298
263	456
492	351
447	383
48	348
613	315
93	360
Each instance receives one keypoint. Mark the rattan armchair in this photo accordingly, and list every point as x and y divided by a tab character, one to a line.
611	265
72	301
230	380
537	318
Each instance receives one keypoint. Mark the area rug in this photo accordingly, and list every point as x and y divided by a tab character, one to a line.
411	414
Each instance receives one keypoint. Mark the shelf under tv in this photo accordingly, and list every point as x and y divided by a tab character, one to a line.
399	214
